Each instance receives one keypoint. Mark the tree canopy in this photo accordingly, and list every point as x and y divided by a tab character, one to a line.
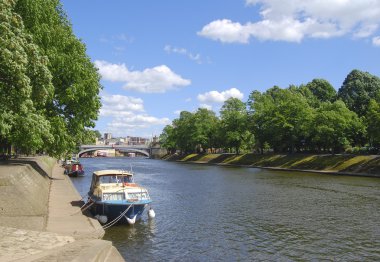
48	85
306	118
357	90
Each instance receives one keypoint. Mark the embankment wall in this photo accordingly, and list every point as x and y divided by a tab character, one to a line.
24	192
360	165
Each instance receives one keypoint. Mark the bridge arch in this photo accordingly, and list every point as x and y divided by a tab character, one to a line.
119	148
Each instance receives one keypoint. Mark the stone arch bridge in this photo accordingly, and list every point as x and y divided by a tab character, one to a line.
142	149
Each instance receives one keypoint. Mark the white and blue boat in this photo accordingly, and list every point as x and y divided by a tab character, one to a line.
114	197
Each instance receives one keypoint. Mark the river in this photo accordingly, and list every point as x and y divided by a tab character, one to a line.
212	213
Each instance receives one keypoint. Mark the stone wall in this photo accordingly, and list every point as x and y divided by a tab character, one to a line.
158	152
24	192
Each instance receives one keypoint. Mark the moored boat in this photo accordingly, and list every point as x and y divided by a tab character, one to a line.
115	198
74	169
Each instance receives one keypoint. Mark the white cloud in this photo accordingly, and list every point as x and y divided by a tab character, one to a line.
158	79
376	41
219	97
140	121
226	31
136	125
114	105
183	51
293	20
127	116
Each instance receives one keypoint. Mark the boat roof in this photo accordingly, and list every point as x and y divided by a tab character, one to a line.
113	172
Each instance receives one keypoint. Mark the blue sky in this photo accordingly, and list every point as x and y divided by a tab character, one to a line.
157	58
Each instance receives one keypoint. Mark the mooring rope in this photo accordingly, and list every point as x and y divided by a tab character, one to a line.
113	222
82	210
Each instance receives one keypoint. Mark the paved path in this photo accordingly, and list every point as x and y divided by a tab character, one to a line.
68	235
20	243
64	214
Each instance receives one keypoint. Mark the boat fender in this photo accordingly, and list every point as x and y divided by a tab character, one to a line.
151	213
102	219
131	221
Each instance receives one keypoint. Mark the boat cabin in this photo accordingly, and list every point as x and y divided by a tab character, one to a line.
116	185
111	178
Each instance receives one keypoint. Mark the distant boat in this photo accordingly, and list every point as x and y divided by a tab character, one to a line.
101	154
74	169
115	198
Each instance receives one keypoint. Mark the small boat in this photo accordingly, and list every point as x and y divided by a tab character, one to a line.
115	198
74	169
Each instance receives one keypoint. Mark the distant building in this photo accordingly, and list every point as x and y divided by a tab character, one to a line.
137	140
129	140
107	136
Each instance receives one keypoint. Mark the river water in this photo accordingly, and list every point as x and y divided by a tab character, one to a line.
212	213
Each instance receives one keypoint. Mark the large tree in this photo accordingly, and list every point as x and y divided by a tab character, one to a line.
205	129
357	90
373	123
335	127
322	90
234	124
168	139
25	85
184	130
280	117
75	101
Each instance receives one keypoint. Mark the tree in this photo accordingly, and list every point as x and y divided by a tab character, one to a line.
168	139
261	107
357	90
322	90
75	101
335	126
373	123
281	118
184	130
205	129
234	124
98	135
25	85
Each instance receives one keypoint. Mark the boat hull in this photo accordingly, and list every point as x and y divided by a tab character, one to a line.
113	211
76	173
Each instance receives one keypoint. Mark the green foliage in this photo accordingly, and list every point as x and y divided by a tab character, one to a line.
280	117
205	128
48	85
322	90
46	76
234	124
168	138
308	118
357	90
335	126
373	123
25	85
97	134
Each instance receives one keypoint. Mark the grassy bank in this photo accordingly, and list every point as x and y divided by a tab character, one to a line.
340	164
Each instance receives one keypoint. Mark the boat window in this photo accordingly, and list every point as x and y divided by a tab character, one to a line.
109	179
113	196
138	195
116	179
128	179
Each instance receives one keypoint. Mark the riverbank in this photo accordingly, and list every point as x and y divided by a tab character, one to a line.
40	216
354	165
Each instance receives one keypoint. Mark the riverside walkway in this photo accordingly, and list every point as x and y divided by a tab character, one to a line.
67	236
